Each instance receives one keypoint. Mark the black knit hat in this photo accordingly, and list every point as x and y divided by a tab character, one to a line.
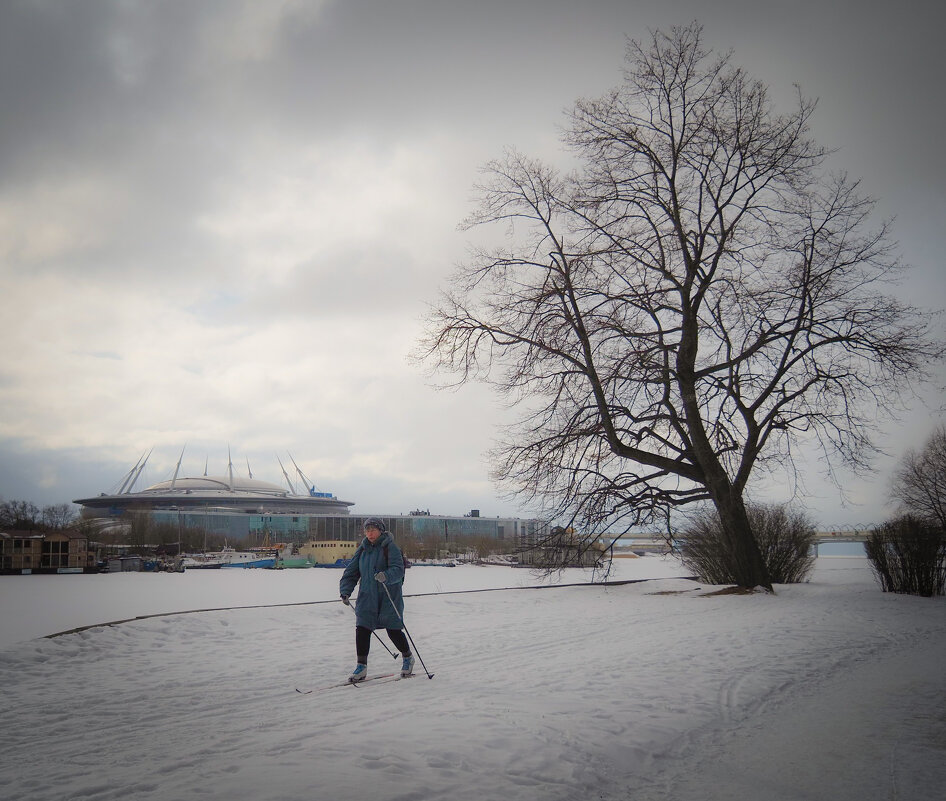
375	522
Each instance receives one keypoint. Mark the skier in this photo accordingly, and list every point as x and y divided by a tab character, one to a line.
377	562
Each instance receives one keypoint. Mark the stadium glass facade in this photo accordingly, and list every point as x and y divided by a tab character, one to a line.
300	528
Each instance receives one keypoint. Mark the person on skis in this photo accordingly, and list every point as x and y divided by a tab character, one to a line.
378	568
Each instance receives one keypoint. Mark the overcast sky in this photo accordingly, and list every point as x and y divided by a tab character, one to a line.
220	221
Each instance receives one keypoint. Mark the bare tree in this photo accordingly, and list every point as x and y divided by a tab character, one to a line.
19	515
919	486
58	515
674	315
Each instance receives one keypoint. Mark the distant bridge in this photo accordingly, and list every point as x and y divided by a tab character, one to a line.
843	536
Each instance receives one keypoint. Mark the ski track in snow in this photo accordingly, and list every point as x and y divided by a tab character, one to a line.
591	693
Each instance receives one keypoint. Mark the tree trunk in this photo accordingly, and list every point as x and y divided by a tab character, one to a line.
745	558
743	555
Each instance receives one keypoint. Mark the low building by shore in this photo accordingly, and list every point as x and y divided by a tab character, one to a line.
24	552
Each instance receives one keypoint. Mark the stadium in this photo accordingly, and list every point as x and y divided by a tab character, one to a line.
246	508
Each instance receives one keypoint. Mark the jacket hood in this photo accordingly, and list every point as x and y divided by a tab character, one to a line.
378	543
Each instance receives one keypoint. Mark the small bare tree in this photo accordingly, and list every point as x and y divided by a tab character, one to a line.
58	515
919	486
674	315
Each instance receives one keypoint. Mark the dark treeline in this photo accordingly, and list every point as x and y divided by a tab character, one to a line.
26	516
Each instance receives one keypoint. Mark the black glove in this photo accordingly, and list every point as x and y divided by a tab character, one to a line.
345	600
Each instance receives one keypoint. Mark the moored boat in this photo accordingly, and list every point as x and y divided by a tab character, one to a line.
228	557
200	561
254	560
293	562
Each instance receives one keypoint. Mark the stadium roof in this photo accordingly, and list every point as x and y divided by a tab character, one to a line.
229	492
236	485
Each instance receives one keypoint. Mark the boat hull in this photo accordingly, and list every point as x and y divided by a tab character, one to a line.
293	564
264	563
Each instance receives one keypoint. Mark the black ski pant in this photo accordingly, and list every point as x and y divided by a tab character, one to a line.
363	643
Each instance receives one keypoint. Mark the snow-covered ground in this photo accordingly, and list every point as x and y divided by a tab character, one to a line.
645	691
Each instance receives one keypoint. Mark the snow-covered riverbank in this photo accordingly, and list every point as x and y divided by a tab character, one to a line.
830	689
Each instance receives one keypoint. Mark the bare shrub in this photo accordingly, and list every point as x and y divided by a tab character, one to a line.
908	556
785	540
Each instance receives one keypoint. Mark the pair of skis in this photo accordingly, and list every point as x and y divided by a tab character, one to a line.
383	678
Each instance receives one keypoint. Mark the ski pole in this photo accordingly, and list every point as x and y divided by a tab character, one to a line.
375	634
388	592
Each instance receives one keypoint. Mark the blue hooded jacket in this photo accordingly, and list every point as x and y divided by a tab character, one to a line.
373	609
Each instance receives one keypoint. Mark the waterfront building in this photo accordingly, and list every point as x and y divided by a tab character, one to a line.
43	552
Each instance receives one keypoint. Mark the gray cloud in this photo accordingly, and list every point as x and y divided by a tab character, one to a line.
220	221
